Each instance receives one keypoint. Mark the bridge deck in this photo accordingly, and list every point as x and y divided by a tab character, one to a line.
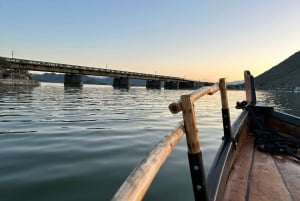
84	70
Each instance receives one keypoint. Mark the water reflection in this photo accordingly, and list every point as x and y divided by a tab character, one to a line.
14	90
288	102
83	142
72	89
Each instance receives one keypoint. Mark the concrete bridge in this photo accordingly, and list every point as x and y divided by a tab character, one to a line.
73	74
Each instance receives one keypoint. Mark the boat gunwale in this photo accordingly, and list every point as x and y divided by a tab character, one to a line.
287	118
220	169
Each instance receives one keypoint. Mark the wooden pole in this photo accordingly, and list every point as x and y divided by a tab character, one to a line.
138	182
190	126
253	94
176	106
250	88
194	151
210	90
225	110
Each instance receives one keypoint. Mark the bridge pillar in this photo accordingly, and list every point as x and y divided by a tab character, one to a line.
171	85
73	80
121	83
199	85
153	84
187	85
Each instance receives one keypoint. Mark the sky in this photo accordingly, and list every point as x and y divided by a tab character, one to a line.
193	39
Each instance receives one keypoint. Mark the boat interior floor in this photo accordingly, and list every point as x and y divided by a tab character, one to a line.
256	175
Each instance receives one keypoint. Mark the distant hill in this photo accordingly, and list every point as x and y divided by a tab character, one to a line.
59	78
238	82
49	77
284	76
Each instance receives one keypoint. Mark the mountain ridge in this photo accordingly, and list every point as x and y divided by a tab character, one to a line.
283	76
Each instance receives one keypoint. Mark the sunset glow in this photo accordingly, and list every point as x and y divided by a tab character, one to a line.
198	40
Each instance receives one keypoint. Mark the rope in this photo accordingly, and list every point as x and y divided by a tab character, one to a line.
269	140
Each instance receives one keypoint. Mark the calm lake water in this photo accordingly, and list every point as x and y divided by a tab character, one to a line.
80	144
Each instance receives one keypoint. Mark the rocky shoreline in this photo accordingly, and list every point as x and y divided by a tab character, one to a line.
10	77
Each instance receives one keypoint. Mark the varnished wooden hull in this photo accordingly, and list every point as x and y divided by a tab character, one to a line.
244	173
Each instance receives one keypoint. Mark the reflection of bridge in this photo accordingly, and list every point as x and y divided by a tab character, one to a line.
73	74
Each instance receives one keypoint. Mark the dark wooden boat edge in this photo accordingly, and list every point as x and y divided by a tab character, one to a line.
221	165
